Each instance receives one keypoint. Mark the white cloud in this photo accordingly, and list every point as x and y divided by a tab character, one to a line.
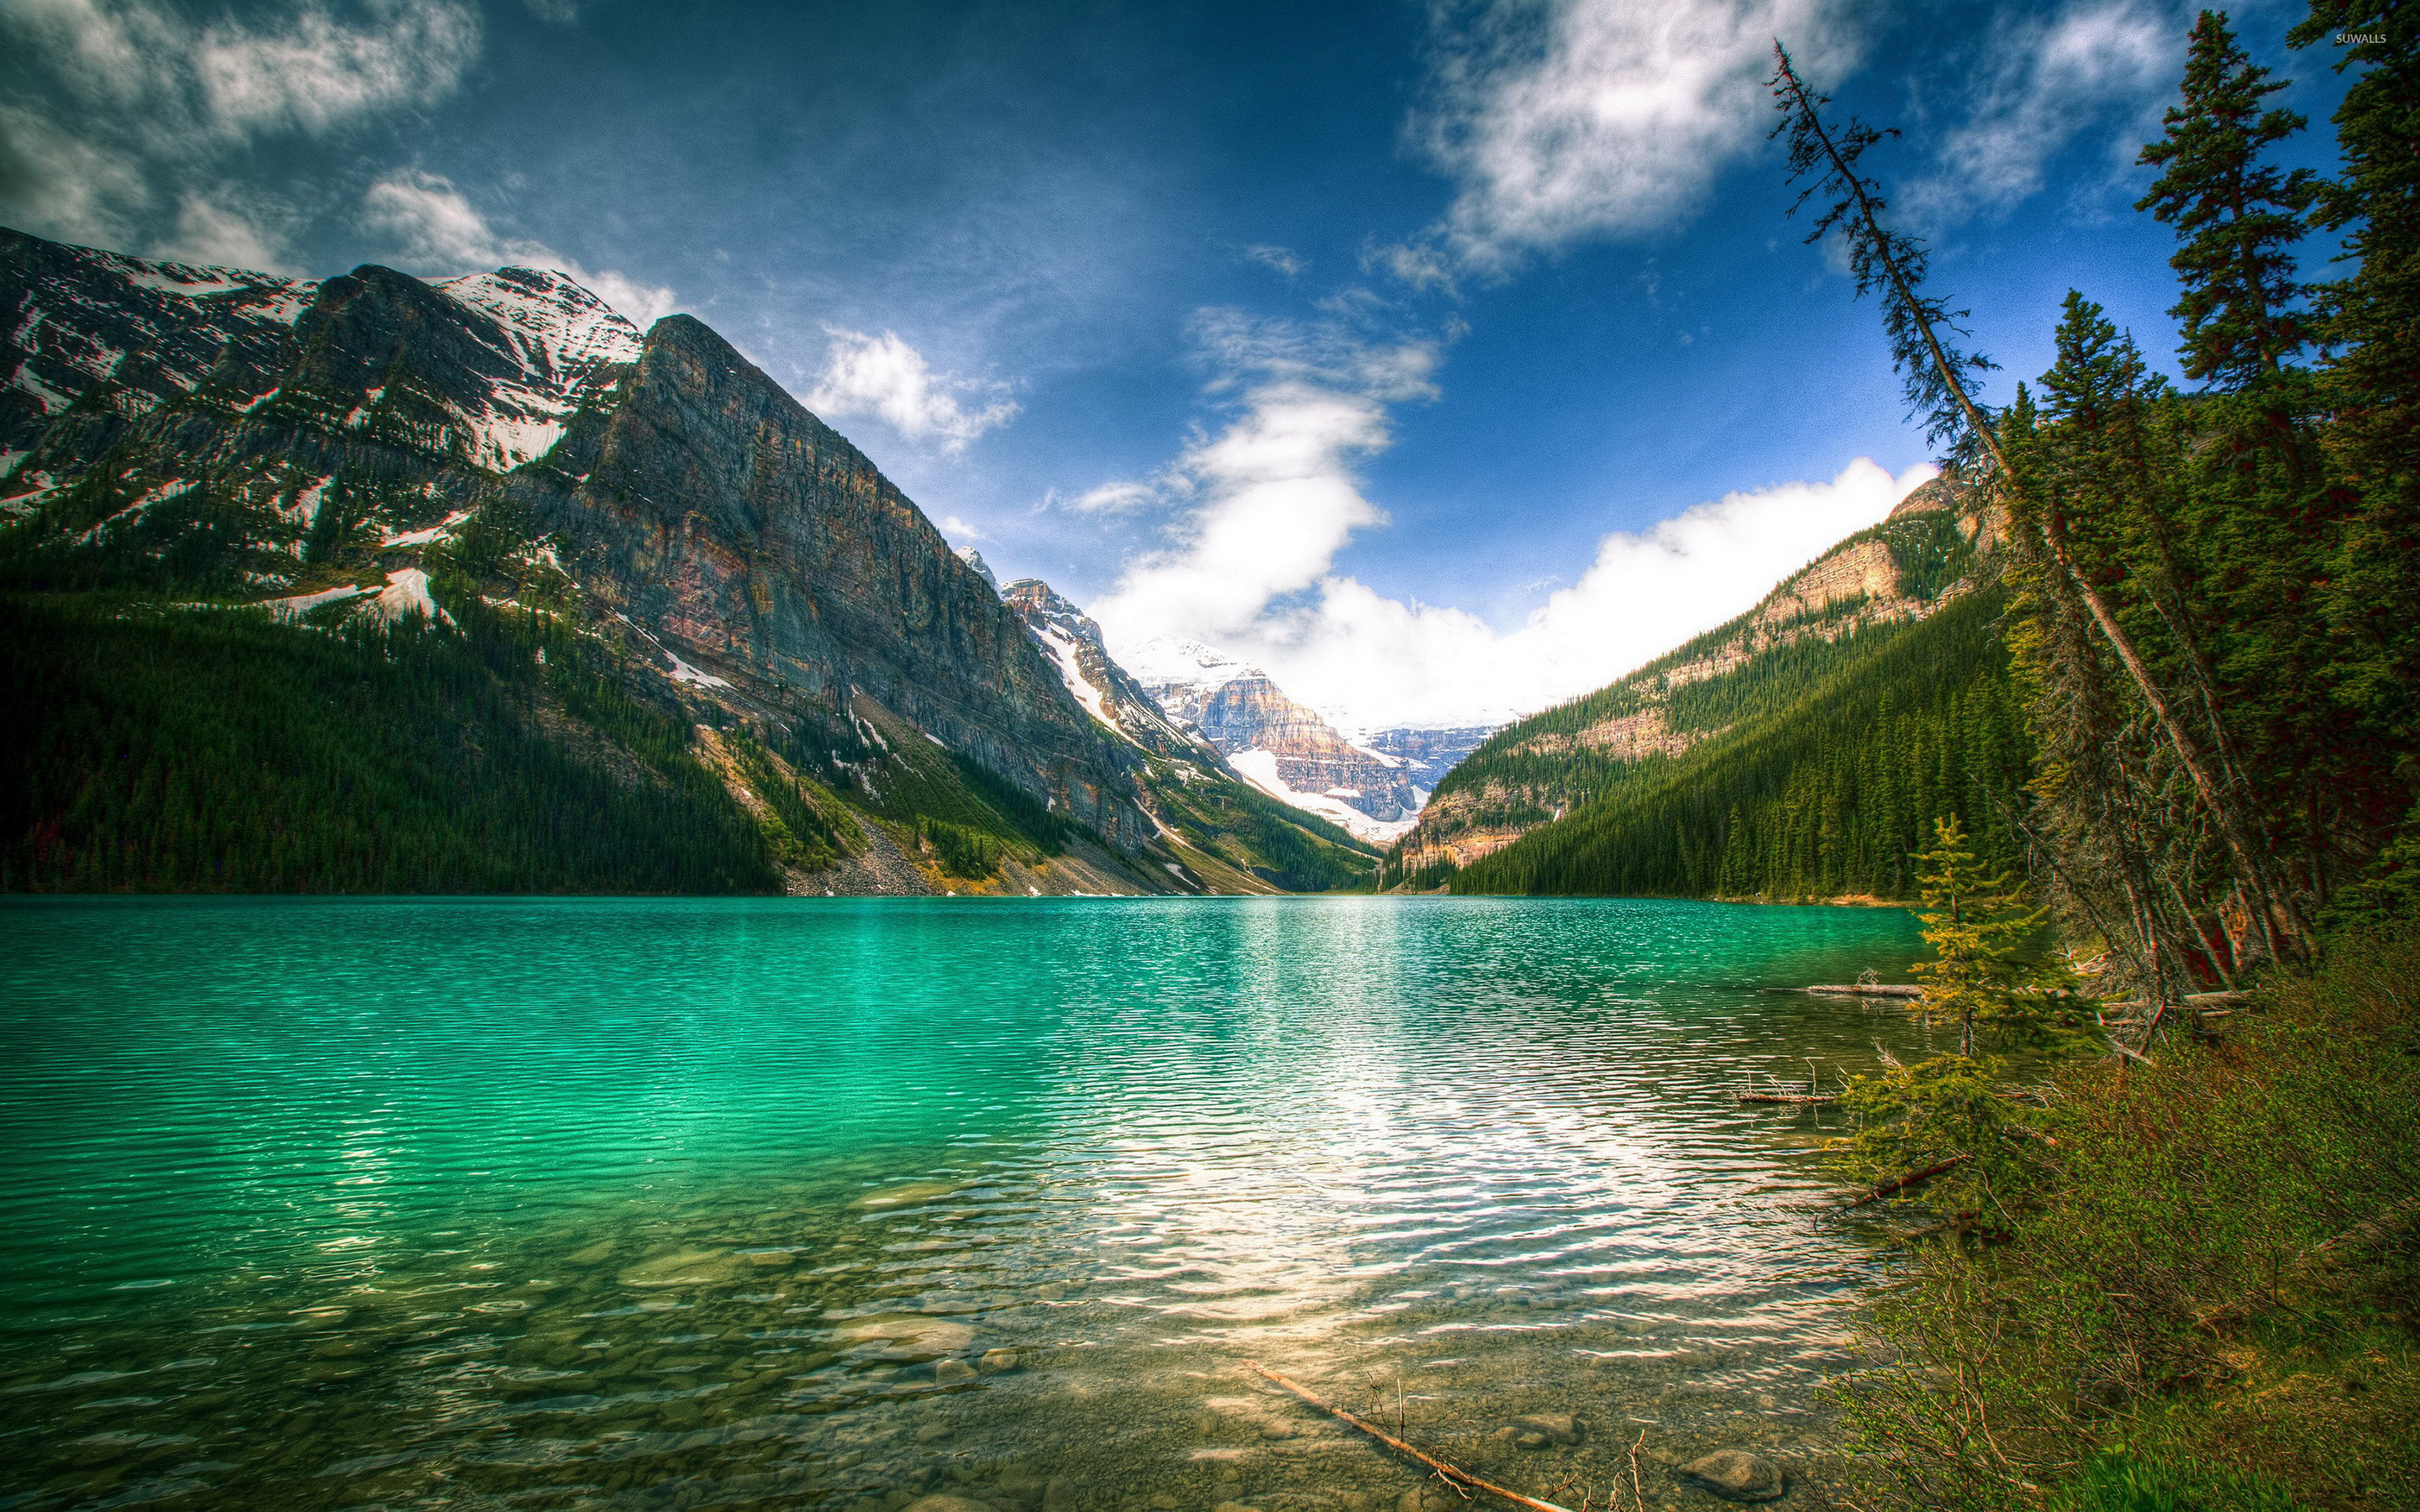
1117	497
1390	662
1282	260
2052	79
644	303
1250	567
310	73
140	104
885	377
959	530
1562	120
169	78
437	230
58	181
1278	496
229	234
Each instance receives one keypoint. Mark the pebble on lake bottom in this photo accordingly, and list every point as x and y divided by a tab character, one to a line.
1736	1476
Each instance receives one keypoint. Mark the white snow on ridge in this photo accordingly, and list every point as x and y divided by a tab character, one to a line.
1260	769
560	334
301	604
1062	651
683	673
561	329
423	537
1181	661
271	300
406	592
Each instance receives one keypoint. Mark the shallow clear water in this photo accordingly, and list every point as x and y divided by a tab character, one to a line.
836	1203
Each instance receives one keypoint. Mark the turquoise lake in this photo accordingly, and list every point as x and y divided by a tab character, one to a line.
839	1203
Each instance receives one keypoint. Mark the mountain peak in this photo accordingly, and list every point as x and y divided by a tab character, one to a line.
1179	661
973	558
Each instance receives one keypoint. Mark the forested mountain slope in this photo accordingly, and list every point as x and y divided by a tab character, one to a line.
592	556
1893	622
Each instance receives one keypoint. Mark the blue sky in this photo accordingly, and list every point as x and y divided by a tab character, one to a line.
1447	360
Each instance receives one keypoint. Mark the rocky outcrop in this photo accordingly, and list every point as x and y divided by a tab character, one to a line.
1278	744
1427	753
1094	679
699	501
1935	545
754	559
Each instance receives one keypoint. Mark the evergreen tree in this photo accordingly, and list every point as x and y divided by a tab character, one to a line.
2236	218
1978	927
2370	384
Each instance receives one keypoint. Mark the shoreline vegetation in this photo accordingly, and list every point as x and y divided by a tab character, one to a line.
2172	1260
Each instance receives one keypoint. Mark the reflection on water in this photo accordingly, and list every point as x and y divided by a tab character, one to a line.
839	1203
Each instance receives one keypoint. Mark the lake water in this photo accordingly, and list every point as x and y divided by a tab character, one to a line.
839	1203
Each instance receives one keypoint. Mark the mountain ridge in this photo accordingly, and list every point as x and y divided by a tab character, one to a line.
1936	545
501	457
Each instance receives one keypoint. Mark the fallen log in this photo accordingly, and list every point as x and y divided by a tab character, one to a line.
1913	1179
1813	1098
1865	989
1452	1475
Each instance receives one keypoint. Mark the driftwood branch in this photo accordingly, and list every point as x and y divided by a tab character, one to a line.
1452	1474
1913	1179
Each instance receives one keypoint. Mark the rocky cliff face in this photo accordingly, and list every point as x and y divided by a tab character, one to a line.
1936	546
326	446
699	502
1219	830
1283	747
1106	691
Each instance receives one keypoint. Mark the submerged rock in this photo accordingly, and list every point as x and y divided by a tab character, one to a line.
949	1504
1736	1476
908	1335
907	1194
1539	1429
687	1268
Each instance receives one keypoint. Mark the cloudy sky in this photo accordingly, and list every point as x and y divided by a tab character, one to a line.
1447	360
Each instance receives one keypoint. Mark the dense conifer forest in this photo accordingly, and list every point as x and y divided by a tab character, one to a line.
1829	793
193	749
2169	1170
2185	705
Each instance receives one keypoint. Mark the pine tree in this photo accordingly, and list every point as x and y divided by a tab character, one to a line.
2236	218
1974	921
2370	385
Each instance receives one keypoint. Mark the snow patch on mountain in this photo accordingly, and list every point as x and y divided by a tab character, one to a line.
406	592
1062	651
973	558
561	335
1181	661
1260	769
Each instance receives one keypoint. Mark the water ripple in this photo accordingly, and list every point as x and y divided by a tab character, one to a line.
590	1202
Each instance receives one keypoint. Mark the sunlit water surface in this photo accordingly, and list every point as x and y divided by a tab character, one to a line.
836	1204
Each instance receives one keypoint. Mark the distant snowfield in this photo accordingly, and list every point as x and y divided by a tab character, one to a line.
1260	769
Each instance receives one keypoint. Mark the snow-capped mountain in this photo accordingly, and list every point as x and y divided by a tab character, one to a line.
324	448
1108	692
973	558
1280	747
515	357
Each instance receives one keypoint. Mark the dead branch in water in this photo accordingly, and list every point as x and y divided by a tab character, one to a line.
1452	1475
1912	1178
